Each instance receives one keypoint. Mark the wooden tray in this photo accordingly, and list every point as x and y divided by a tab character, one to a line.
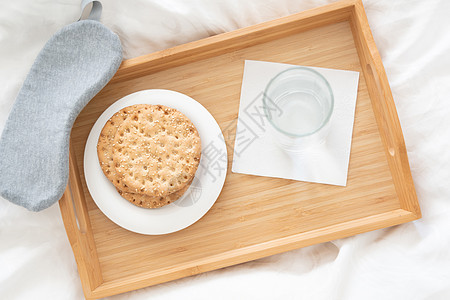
254	216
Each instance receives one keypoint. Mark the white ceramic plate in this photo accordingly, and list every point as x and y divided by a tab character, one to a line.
197	200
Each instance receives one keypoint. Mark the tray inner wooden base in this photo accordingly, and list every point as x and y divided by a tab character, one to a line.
250	210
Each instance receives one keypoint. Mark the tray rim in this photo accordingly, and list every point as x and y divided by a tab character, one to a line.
73	207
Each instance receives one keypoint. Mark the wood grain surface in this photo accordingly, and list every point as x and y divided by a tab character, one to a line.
254	216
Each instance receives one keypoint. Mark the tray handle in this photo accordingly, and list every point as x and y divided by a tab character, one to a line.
385	111
378	92
76	221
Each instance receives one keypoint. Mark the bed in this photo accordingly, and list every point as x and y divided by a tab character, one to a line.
409	261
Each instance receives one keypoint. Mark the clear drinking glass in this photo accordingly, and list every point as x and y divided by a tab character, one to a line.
298	104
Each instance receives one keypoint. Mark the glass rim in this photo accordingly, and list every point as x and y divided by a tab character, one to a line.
321	77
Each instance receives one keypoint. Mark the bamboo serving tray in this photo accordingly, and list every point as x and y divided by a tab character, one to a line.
254	216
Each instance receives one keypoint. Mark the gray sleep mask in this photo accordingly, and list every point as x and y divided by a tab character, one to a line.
74	65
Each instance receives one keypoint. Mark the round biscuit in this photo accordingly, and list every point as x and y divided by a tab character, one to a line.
153	201
156	151
105	146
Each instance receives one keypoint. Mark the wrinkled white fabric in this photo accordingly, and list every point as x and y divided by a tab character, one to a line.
410	261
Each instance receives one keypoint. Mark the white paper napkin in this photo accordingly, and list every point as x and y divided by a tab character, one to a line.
256	152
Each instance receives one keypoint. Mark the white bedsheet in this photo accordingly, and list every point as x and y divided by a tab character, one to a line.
410	261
